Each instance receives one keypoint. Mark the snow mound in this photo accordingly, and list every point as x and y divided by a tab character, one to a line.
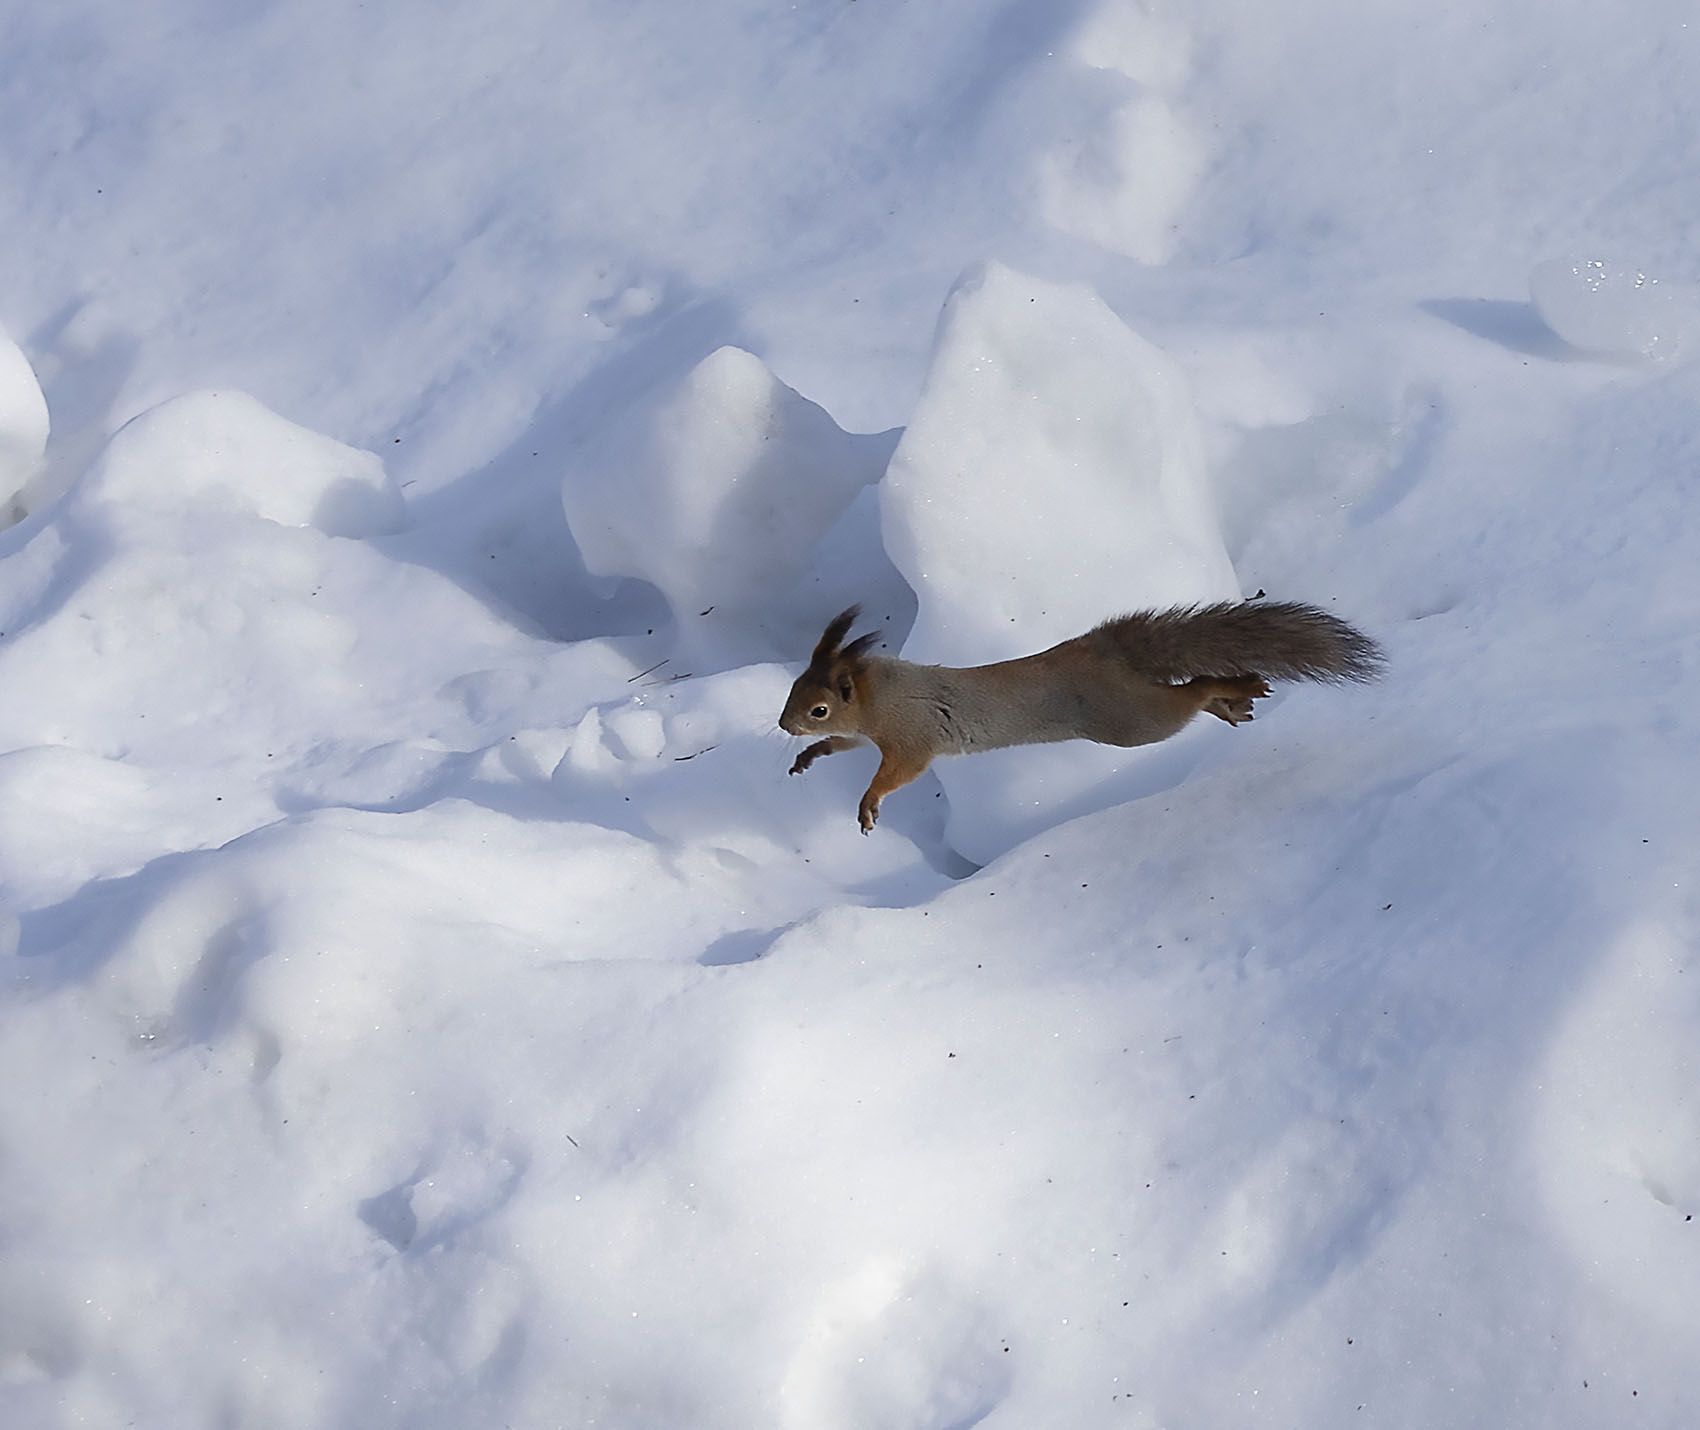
1124	184
1142	42
1604	306
202	630
72	816
1125	174
226	451
23	421
1052	475
716	491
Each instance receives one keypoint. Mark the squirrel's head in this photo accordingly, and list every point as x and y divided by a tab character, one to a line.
823	698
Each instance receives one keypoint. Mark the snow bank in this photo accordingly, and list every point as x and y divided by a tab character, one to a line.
1052	475
1606	306
188	590
72	817
1126	185
223	451
717	491
23	423
407	1020
1124	176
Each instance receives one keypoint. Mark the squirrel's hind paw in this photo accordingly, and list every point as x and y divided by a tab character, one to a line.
1235	712
1234	701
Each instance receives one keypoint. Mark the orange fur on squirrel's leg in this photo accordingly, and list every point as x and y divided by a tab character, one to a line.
897	768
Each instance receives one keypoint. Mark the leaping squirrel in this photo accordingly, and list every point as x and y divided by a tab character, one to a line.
1134	680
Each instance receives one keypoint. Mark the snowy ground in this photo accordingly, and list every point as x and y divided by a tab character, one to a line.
424	999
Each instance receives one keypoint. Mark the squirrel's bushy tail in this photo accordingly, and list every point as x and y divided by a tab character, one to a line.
1279	640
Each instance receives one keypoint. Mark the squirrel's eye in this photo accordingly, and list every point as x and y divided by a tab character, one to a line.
818	713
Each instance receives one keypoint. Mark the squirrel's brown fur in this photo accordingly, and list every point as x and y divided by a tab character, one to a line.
1133	680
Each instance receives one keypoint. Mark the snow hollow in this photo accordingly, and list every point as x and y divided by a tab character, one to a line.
432	439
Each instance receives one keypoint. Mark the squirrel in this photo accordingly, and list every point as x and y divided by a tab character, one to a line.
1133	680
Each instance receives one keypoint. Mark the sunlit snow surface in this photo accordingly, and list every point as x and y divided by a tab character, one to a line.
424	998
1610	307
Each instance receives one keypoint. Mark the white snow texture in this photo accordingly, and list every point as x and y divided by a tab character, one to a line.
426	1002
23	423
1611	307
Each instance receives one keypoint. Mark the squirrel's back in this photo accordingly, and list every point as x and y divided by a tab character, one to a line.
955	710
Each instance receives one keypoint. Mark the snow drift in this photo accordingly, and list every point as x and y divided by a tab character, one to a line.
424	999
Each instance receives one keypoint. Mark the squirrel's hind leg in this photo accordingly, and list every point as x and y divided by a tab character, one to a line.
1142	712
1230	699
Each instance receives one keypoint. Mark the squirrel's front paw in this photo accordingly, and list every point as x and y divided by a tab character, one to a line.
867	815
801	763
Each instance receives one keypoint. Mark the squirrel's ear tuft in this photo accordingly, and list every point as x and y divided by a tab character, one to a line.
859	645
833	636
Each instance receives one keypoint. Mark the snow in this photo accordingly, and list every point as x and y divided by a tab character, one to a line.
1125	184
719	492
424	998
23	423
223	452
1604	306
